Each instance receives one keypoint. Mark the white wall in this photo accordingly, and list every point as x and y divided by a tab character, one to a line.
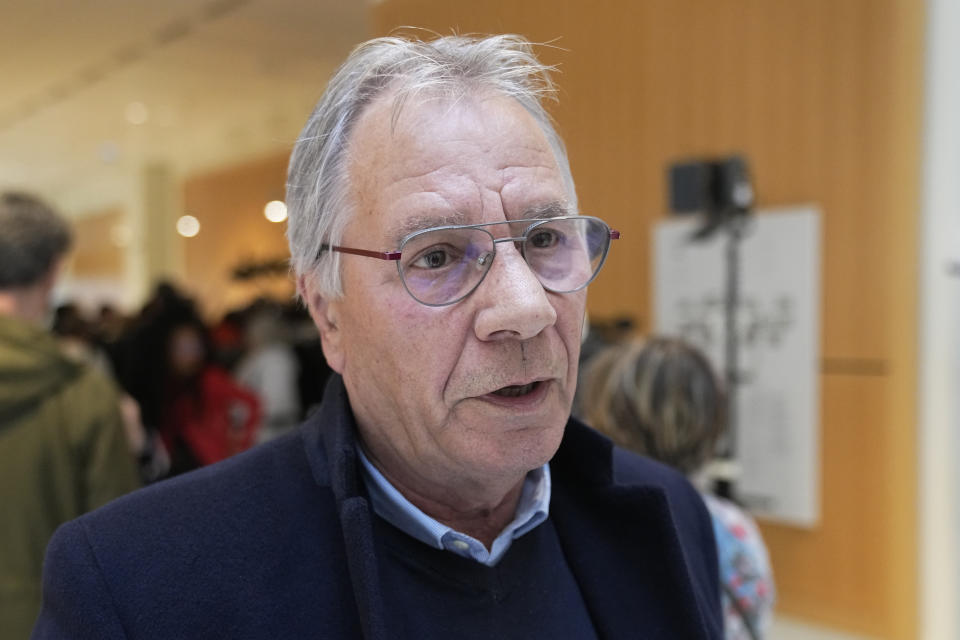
939	366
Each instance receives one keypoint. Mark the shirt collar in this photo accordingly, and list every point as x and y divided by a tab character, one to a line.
388	503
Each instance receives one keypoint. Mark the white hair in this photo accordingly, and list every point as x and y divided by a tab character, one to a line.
448	66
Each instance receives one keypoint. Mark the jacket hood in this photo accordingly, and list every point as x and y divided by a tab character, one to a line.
32	366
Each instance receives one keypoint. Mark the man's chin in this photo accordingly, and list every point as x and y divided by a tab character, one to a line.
523	449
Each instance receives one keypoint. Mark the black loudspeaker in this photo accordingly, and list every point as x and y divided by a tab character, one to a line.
690	187
716	187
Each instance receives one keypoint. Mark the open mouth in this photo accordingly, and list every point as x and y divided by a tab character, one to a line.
517	390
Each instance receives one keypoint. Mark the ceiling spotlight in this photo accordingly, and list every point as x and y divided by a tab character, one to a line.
275	211
188	226
136	113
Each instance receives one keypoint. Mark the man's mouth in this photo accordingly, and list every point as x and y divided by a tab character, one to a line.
516	390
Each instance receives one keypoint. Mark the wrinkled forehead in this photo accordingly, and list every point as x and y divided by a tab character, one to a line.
440	158
411	125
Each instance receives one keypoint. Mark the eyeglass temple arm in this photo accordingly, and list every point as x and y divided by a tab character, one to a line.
614	234
380	255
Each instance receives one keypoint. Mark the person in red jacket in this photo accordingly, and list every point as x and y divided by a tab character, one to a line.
207	416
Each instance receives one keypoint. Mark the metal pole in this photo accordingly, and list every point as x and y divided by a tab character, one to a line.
734	225
731	350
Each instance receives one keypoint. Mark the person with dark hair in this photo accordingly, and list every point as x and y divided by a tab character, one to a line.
193	410
662	398
33	241
442	489
206	415
140	353
62	444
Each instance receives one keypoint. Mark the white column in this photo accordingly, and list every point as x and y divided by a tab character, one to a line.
155	252
938	390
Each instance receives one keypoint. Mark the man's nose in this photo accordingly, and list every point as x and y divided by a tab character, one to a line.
513	303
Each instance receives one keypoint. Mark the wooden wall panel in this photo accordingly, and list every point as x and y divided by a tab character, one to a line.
96	251
824	98
837	573
229	204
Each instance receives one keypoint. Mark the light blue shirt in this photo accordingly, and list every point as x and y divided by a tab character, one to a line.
389	504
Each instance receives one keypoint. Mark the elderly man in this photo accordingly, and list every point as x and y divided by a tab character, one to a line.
442	489
62	444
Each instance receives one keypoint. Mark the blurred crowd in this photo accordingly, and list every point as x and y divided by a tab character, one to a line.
196	392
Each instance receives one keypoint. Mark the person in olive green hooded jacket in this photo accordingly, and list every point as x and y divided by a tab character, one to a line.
62	444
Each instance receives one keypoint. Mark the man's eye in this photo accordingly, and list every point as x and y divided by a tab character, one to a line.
432	259
544	238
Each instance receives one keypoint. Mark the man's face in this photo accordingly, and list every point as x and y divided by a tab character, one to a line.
426	384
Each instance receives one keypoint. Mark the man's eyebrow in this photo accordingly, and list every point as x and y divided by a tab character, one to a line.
548	210
429	220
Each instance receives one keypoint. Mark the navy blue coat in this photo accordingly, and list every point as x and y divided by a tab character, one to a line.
278	543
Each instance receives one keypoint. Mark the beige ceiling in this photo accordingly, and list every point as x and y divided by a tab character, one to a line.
216	81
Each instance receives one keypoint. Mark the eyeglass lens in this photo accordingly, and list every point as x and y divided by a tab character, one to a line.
441	266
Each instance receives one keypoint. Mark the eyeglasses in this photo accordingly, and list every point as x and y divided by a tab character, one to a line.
443	265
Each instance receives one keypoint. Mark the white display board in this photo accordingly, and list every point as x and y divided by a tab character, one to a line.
778	326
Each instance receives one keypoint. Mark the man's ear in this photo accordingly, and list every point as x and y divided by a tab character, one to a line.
326	317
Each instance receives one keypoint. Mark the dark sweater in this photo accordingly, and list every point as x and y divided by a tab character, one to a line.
529	594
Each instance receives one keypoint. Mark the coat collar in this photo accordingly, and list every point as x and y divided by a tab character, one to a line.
330	441
607	522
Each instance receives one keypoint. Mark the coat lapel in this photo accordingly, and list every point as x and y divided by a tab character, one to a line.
333	426
622	545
